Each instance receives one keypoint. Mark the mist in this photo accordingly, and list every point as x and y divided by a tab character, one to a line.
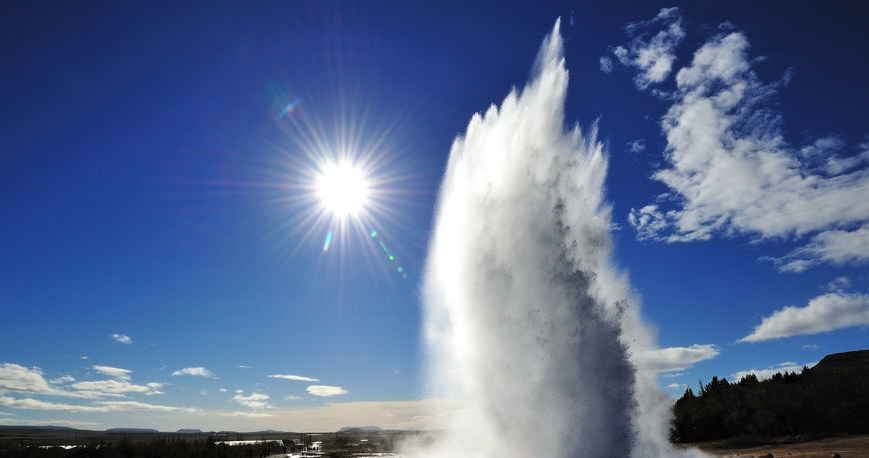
530	329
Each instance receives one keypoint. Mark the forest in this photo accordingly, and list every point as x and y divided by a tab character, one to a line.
829	399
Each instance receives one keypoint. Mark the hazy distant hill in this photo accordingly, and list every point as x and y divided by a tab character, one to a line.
830	398
189	431
360	429
132	430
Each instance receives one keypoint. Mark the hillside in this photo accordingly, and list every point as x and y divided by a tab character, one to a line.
831	398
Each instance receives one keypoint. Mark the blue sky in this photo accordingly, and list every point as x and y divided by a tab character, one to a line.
163	243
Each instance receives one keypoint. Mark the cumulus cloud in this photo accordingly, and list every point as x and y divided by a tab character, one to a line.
114	372
197	371
325	390
606	64
298	378
824	313
730	171
676	358
763	374
254	400
652	55
15	377
121	338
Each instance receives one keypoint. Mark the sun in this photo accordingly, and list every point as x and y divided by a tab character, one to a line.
343	190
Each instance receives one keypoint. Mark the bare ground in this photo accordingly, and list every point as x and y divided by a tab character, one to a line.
849	447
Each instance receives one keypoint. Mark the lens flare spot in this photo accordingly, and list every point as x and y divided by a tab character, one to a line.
328	241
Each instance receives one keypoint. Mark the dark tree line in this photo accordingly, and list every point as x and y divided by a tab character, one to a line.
143	448
818	401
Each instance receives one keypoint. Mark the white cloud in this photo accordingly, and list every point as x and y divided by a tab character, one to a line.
325	390
299	378
730	171
292	398
197	371
675	358
62	380
652	55
222	390
824	313
636	146
114	372
839	284
606	64
14	377
831	246
677	386
674	374
763	374
113	388
121	338
238	413
100	406
254	400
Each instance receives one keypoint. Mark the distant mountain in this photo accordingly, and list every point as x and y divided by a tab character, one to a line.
360	429
37	428
132	430
848	361
189	431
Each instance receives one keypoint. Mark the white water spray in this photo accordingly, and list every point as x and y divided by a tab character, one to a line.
528	326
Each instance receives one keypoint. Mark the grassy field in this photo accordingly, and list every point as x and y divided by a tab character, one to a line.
846	447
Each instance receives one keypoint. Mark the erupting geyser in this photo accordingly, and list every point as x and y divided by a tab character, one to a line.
528	326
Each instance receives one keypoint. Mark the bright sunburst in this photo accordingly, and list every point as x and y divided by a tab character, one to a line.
342	190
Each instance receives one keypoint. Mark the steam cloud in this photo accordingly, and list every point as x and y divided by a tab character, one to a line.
528	326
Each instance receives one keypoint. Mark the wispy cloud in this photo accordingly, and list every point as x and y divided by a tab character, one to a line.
652	54
98	406
763	374
114	388
115	372
121	338
195	371
298	378
839	284
239	413
824	313
730	171
325	390
253	400
636	146
62	380
676	358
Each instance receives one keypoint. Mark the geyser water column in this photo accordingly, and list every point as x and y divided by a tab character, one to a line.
524	321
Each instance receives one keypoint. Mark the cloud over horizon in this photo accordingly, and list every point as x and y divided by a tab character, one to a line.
325	390
197	371
253	401
676	358
827	312
763	374
298	378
